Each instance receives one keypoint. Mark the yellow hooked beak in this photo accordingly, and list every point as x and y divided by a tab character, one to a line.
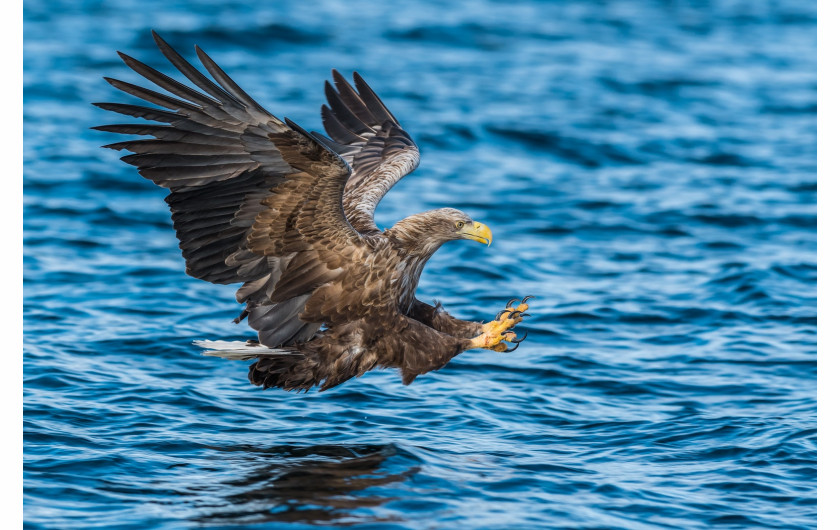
477	232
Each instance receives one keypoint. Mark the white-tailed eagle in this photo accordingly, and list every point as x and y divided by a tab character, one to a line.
288	214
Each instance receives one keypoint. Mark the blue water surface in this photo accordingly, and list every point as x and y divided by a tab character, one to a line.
649	171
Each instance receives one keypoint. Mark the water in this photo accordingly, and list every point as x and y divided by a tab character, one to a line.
649	171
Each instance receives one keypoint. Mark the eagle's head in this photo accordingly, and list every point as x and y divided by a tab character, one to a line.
424	233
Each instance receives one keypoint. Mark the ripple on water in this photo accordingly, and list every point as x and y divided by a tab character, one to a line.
648	171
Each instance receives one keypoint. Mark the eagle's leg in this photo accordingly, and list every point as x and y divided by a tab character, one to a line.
435	317
499	330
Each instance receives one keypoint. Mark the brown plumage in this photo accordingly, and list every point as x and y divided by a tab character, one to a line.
289	215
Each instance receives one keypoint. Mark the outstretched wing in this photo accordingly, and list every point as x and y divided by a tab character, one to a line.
254	199
365	133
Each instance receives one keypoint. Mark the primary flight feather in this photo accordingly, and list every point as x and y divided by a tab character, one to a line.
289	214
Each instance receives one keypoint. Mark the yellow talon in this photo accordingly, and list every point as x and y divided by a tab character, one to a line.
497	327
506	322
494	341
496	331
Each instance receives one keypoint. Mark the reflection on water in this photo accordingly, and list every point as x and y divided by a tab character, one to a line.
319	484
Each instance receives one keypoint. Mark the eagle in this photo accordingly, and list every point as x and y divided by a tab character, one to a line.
288	214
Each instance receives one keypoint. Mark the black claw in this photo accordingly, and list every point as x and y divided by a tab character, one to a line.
514	314
511	349
528	298
525	315
499	314
517	341
510	302
242	315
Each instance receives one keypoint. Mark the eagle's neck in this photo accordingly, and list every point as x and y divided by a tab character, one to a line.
409	279
415	248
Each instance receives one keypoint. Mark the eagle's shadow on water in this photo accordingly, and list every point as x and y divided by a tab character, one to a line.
321	484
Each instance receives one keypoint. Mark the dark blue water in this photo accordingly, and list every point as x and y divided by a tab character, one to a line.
648	169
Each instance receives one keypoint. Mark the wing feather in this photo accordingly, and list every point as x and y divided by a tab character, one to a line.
226	82
352	99
194	75
372	102
254	199
366	134
183	133
337	130
151	96
343	114
165	82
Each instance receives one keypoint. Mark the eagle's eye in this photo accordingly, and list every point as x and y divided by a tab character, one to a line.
459	224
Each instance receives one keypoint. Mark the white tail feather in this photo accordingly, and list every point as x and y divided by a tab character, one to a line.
237	350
